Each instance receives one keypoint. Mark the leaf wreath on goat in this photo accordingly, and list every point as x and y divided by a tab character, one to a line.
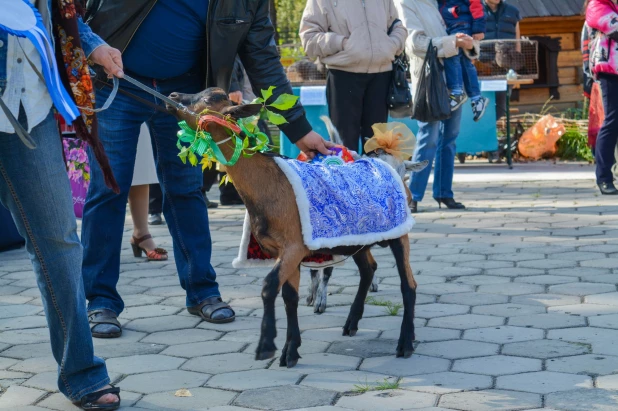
243	134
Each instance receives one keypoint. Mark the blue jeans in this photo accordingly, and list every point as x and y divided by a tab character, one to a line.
34	186
436	140
183	205
608	135
461	73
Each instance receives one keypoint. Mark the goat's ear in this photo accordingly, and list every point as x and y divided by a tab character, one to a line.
244	111
412	166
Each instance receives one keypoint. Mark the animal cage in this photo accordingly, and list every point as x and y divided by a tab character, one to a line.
499	56
300	69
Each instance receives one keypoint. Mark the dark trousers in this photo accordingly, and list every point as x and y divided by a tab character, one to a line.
500	104
155	200
356	101
608	135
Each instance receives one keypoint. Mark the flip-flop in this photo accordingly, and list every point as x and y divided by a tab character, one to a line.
89	401
98	317
213	304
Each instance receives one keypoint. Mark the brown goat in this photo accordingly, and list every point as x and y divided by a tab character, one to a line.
275	224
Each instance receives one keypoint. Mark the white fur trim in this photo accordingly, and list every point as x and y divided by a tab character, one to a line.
241	260
349	240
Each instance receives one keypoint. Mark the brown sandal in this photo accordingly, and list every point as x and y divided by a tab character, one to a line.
158	254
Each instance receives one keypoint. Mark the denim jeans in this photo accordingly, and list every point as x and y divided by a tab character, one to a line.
184	206
436	140
34	186
608	135
461	74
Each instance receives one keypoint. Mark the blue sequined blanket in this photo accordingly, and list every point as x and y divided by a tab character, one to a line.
358	203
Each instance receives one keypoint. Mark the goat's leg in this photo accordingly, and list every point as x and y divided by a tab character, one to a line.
319	305
401	251
289	292
313	286
362	260
374	266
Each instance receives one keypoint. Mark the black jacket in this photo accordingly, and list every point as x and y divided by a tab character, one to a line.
502	24
233	27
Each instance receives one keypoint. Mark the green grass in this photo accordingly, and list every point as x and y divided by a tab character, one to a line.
390	307
384	385
573	145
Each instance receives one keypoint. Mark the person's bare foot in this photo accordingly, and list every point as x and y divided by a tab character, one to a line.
108	398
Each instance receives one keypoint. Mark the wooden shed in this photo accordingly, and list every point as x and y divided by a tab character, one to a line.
557	25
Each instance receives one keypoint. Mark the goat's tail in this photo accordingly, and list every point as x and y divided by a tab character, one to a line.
332	131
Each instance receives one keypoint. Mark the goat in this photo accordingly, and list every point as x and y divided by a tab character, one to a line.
318	287
275	223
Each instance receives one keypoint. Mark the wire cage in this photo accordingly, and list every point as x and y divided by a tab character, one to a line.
499	56
299	68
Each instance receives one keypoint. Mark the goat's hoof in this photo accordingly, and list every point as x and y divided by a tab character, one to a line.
407	353
374	287
265	351
264	355
309	301
349	332
320	305
289	355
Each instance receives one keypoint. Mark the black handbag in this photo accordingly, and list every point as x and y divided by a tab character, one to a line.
431	102
399	98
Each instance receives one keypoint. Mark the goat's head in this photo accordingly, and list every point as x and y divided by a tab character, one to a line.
213	101
402	167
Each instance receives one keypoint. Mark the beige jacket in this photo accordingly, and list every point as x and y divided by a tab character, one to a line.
424	23
364	23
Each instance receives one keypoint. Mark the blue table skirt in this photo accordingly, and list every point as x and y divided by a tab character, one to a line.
473	138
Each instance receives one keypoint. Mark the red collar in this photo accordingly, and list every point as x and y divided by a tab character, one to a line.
205	120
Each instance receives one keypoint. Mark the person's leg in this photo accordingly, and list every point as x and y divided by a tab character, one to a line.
608	135
454	75
138	205
470	78
615	168
426	146
445	156
34	186
184	206
155	204
375	109
104	211
500	104
345	93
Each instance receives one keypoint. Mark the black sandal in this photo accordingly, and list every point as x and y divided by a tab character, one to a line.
97	317
213	304
89	401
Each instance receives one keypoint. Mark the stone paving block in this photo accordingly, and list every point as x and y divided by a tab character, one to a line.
511	289
425	334
487	264
10	311
16	396
47	381
604	321
166	323
545	349
363	348
400	367
198	349
26	351
8	362
135	300
129	349
222	363
522	256
440	310
514	272
473	299
548	321
491	400
285	397
498	365
60	403
545	300
578	256
457	349
147	311
482	280
546	264
143	363
322	362
346	381
588	310
546	279
605	278
335	334
507	310
386	323
162	381
254	379
466	321
31	321
611	263
446	382
583	272
443	289
28	336
581	289
184	337
36	365
588	335
583	400
391	400
543	382
241	323
503	334
457	258
200	397
308	347
605	299
591	364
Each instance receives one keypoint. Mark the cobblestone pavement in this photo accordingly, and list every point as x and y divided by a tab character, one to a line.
517	310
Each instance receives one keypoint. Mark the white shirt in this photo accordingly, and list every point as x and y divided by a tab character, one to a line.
23	85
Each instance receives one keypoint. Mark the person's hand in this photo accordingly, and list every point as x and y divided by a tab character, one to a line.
478	36
110	58
312	143
464	41
236	97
